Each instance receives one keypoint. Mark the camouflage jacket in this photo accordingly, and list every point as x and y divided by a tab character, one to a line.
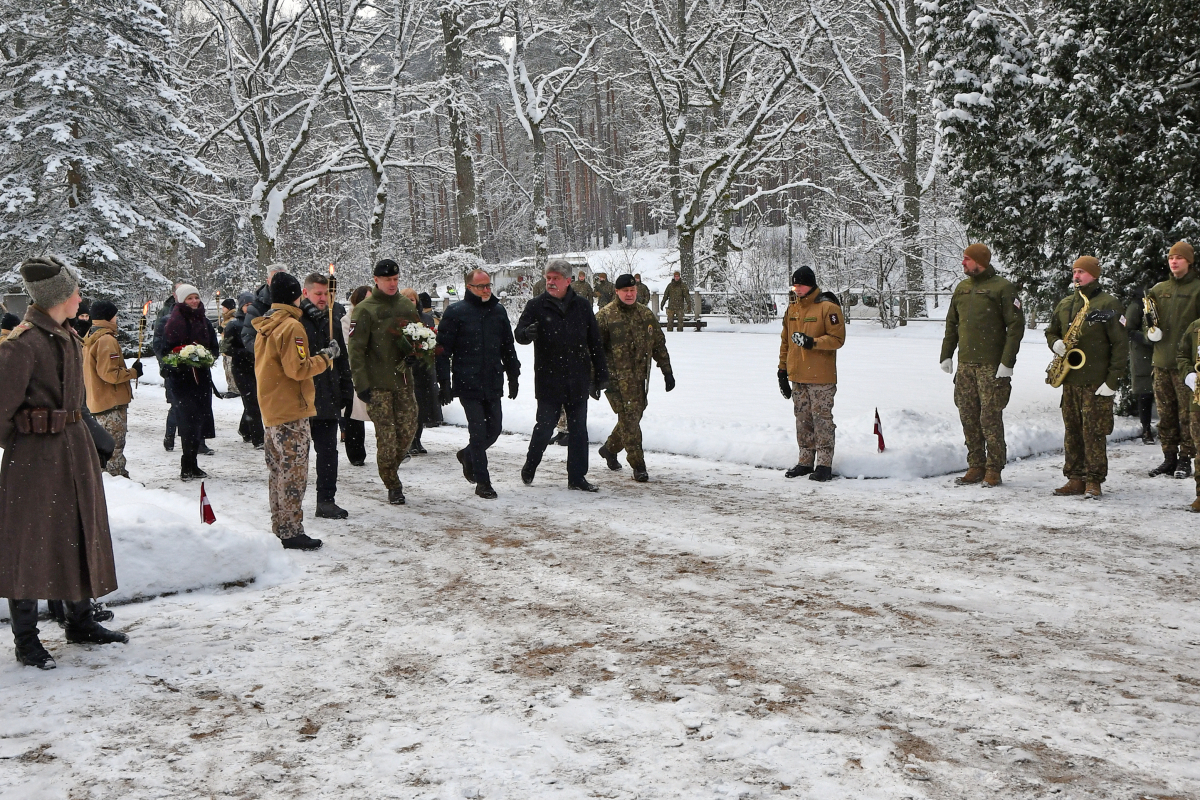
676	295
643	295
631	336
605	292
583	289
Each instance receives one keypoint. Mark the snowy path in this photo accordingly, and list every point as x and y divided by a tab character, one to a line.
718	632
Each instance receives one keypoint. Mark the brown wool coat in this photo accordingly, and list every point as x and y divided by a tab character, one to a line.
105	375
54	539
823	321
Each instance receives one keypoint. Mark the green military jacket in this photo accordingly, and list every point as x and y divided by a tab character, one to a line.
985	322
631	336
583	289
377	345
643	295
677	295
605	292
1187	350
1178	304
1103	338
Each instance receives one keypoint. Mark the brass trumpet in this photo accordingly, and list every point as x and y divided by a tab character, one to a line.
1150	311
1075	358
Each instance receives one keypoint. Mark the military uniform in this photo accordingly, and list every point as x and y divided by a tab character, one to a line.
605	292
583	289
1087	416
676	298
631	336
1178	303
1187	355
985	324
816	318
378	350
643	295
108	392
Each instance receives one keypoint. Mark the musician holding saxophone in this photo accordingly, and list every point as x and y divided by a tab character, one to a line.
1091	353
1176	303
1187	360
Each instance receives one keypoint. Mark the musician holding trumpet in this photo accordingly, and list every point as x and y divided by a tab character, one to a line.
1091	353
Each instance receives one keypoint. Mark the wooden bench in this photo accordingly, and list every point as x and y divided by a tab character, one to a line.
697	324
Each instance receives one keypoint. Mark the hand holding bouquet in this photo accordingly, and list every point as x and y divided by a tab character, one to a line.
423	341
196	356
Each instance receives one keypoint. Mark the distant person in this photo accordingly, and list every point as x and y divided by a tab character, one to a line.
1141	364
261	305
82	321
190	386
676	298
582	288
241	363
425	382
158	346
605	292
7	323
107	380
643	291
355	416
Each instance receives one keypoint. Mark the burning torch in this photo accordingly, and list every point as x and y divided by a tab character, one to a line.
332	296
141	336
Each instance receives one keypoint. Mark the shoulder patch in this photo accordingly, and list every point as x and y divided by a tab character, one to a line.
834	319
17	331
1123	321
1017	303
300	348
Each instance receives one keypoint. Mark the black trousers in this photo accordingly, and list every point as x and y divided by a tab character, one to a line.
484	423
355	431
172	424
577	441
252	417
1145	406
325	442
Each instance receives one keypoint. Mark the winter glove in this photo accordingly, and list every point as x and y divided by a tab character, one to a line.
803	340
1103	391
410	362
365	396
332	350
512	387
948	366
1003	372
1155	335
531	330
1190	380
785	388
105	445
137	367
445	395
669	380
1059	348
597	388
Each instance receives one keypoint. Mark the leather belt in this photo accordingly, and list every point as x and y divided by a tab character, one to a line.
46	420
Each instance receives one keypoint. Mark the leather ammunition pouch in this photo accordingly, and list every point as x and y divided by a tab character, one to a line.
45	420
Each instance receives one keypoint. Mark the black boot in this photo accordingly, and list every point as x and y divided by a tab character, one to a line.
396	496
610	457
527	472
331	510
797	471
560	439
1183	469
58	611
169	442
301	541
25	631
583	486
82	629
484	489
464	458
821	474
1167	467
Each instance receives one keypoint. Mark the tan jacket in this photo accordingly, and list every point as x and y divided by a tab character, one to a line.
105	375
818	315
284	367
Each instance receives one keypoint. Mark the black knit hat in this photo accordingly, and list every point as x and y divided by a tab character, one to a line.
228	303
85	307
285	289
804	277
625	281
103	310
386	268
9	321
426	300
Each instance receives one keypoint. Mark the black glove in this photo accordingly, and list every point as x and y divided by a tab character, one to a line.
137	367
105	445
804	340
669	380
445	395
785	388
365	396
531	329
512	387
410	362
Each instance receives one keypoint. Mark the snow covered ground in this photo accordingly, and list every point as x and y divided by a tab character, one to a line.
718	632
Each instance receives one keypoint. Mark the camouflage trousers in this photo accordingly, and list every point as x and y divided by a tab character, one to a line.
116	422
230	381
1174	401
394	414
675	316
813	404
981	398
1088	420
286	448
627	435
1194	424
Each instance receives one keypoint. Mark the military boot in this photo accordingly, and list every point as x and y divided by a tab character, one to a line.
82	629
1093	490
1183	469
301	541
468	468
527	472
610	458
1147	435
798	471
1072	487
484	489
396	496
821	474
331	510
991	478
972	476
30	651
1167	467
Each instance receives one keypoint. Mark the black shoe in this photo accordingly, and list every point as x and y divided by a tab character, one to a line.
821	474
357	463
485	491
418	449
797	471
301	541
169	443
331	510
205	450
611	458
396	496
259	446
91	632
468	468
1167	467
583	486
527	473
1184	468
640	475
1147	436
32	654
189	473
101	612
561	439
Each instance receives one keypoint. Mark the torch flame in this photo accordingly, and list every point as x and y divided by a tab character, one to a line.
332	269
146	308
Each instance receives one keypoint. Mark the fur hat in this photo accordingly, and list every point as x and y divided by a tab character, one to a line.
1185	250
625	281
804	277
48	281
104	310
980	254
386	268
285	289
1088	264
183	291
9	321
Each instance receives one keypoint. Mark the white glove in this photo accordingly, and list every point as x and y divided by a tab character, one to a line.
1103	391
1190	380
1003	372
1059	348
948	366
1155	335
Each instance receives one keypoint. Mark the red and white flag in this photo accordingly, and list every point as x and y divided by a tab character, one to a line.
879	430
206	513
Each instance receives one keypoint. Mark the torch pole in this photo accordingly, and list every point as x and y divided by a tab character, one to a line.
332	297
141	337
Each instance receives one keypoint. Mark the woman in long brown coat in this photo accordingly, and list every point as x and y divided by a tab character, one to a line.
54	539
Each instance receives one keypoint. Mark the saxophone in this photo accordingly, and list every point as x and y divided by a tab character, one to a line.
1150	311
1075	358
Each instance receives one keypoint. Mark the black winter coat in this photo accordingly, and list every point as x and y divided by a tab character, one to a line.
429	410
260	306
241	361
476	342
568	357
335	389
157	343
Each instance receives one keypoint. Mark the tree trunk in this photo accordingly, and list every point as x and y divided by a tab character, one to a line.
264	244
910	212
541	221
456	112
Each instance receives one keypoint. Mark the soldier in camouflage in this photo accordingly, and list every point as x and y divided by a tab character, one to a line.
676	299
583	288
643	291
631	336
605	293
1187	356
985	324
1177	300
1087	399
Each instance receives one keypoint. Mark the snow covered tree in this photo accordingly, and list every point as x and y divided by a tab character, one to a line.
92	158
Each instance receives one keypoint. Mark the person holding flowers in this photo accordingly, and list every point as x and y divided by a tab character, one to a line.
190	343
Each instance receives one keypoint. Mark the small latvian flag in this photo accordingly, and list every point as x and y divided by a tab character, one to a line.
206	513
879	430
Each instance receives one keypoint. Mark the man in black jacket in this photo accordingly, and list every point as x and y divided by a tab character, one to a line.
242	365
476	340
568	366
334	388
158	345
261	305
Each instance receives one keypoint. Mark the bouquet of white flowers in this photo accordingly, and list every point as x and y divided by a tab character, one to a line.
192	355
423	341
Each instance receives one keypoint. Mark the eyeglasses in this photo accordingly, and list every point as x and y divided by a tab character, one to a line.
480	285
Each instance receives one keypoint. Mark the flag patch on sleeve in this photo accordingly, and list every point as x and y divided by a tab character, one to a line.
300	349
